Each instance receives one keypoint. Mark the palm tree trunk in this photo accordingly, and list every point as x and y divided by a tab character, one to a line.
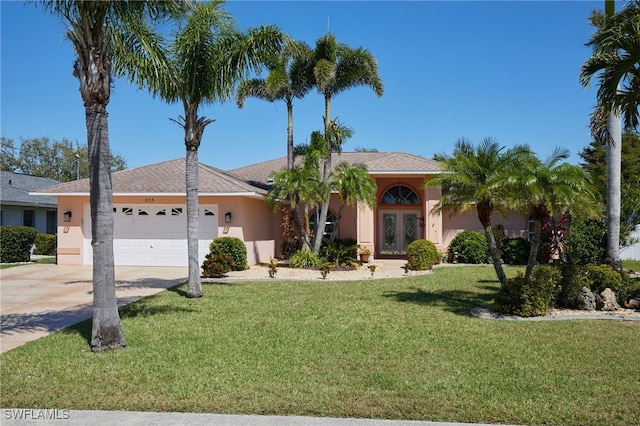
533	253
194	286
290	158
495	255
613	159
326	172
106	332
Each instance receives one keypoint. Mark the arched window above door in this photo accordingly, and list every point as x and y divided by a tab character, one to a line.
400	194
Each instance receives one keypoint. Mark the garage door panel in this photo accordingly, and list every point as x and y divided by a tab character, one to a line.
155	235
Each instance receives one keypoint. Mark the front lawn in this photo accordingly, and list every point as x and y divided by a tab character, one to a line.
399	348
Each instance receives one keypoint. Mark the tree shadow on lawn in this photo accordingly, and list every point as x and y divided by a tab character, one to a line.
459	302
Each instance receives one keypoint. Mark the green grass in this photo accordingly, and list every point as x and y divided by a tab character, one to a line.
633	265
403	349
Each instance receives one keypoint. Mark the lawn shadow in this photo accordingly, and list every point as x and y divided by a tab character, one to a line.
459	302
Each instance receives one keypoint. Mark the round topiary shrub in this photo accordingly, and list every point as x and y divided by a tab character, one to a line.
421	255
45	244
216	265
469	247
232	247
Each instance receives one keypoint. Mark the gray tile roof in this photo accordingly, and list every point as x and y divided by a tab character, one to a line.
163	178
169	177
16	187
376	162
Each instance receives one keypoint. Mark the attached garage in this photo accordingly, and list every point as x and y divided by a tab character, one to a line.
154	235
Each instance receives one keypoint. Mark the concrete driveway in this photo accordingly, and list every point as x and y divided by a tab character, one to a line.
39	299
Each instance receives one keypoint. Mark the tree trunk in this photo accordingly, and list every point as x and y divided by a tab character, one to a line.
290	159
533	253
495	255
326	172
614	158
194	286
106	332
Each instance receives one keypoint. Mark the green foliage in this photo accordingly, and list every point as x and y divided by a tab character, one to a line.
305	259
45	244
232	247
603	276
16	243
216	265
515	251
469	247
572	281
340	252
421	255
535	299
51	159
588	244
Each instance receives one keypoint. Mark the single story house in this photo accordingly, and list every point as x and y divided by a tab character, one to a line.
150	211
19	207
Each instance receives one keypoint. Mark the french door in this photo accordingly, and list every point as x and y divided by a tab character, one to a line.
397	229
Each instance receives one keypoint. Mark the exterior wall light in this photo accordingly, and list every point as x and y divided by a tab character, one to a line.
67	216
227	217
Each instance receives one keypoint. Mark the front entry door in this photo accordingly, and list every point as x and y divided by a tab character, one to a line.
397	229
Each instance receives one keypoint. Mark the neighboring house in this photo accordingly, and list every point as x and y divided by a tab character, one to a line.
632	252
18	207
150	211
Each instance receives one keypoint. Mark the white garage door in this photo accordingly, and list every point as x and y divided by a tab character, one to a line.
145	235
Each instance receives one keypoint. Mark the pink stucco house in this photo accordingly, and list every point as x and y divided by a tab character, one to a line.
150	211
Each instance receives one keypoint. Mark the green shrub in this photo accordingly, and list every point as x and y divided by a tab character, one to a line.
232	247
572	281
515	251
630	289
216	265
45	244
588	244
469	247
340	252
603	276
421	255
534	299
16	243
305	259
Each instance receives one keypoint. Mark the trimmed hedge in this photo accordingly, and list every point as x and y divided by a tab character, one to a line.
16	243
469	247
421	255
45	244
232	247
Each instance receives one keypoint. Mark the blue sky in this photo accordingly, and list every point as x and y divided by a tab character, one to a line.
451	69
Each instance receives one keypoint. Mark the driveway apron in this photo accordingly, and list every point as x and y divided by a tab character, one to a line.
39	299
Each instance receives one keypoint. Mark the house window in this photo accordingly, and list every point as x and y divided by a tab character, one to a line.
400	194
29	218
142	212
532	227
52	224
162	212
330	224
176	211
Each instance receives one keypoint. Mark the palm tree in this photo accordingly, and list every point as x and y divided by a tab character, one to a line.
616	56
206	61
336	67
99	31
354	185
474	177
548	189
286	80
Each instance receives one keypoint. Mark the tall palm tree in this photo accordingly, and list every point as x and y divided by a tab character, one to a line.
474	177
548	189
98	32
206	61
287	80
354	185
336	67
616	57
